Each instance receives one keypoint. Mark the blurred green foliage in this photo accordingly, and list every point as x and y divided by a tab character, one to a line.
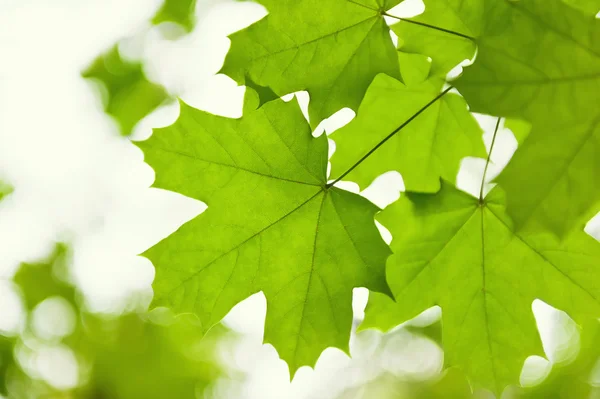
130	356
39	281
569	380
129	95
180	12
5	189
450	385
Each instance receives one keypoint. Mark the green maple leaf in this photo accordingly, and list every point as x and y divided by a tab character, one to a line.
429	146
130	96
541	63
272	225
463	254
445	32
331	48
178	11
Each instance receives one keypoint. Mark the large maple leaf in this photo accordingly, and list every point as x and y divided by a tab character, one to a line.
272	225
463	254
331	48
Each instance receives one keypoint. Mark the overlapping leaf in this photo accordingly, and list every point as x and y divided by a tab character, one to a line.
459	22
331	48
429	146
552	181
538	61
272	225
541	63
463	254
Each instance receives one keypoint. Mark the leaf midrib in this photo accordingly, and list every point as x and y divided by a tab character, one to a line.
310	276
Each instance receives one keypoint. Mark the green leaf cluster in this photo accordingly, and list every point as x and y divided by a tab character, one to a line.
277	223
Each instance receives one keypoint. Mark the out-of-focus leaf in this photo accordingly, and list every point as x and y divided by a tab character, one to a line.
5	189
6	361
120	357
39	281
135	358
569	381
180	12
129	95
452	384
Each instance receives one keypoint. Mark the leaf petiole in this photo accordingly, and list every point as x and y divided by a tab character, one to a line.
451	32
487	162
389	136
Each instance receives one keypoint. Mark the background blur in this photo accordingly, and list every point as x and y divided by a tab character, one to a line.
79	210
